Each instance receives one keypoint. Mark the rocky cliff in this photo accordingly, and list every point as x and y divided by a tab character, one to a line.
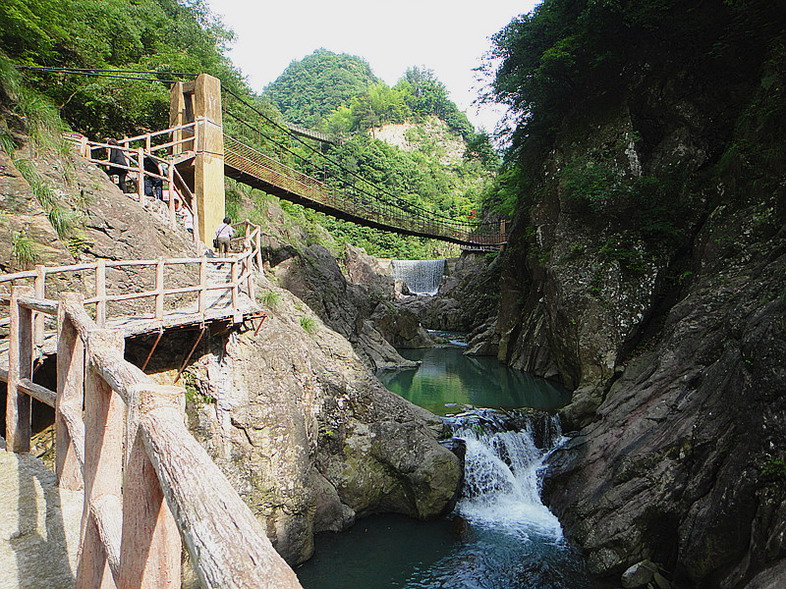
647	270
310	438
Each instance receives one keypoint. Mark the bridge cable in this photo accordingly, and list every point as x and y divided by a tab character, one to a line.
92	69
404	204
105	73
410	206
399	203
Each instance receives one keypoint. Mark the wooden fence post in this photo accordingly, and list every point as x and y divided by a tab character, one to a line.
172	192
101	292
159	288
249	270
104	421
20	365
151	546
259	250
202	285
140	187
40	293
234	275
69	427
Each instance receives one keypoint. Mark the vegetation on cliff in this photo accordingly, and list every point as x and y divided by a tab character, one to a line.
423	174
311	88
335	91
567	60
646	269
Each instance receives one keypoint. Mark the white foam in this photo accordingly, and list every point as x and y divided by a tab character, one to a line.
502	486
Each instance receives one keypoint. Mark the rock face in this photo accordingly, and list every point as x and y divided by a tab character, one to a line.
467	297
675	344
365	315
682	464
309	437
304	431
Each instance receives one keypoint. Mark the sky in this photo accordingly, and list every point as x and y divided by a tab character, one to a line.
448	36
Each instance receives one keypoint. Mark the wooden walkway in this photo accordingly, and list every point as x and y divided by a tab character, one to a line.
249	166
148	484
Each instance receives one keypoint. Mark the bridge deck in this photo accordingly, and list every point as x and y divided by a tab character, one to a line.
247	165
142	325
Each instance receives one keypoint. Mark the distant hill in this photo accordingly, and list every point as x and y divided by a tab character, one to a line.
313	87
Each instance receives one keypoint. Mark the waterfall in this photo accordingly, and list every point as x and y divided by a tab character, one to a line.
501	482
422	277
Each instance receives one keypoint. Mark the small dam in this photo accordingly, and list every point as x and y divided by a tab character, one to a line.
422	277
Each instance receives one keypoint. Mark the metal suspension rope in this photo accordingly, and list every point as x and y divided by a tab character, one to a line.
399	202
92	69
426	212
404	204
102	73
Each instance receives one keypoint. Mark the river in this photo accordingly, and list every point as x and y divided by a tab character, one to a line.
500	535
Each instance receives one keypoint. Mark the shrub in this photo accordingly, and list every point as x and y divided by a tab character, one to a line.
308	325
269	298
25	250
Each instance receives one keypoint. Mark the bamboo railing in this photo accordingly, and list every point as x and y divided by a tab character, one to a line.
147	482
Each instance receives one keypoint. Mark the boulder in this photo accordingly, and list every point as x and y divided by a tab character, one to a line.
639	575
309	437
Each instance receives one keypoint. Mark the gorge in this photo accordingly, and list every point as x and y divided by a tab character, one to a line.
643	275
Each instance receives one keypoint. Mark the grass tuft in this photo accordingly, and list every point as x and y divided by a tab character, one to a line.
308	325
25	250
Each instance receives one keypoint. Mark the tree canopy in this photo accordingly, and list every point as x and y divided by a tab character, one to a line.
144	35
311	88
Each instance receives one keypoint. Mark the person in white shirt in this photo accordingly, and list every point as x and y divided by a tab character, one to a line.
224	234
185	216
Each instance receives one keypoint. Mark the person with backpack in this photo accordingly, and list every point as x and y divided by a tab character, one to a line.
116	156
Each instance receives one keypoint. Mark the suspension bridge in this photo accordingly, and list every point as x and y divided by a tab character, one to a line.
198	151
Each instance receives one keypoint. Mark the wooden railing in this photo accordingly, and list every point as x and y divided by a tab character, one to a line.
155	146
351	202
147	482
158	300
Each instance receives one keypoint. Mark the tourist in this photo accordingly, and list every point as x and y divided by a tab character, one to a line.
154	186
224	234
184	215
117	157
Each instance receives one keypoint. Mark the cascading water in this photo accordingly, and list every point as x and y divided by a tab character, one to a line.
422	277
511	540
500	535
501	483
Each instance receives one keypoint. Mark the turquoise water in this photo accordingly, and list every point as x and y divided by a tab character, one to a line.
446	378
500	535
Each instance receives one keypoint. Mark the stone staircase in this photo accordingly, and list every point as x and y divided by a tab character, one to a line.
216	275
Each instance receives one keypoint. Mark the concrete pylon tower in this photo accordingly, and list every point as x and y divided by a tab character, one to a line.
200	101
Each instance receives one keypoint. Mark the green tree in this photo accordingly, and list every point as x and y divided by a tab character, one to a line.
318	84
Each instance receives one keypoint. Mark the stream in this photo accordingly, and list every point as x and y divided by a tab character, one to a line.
500	535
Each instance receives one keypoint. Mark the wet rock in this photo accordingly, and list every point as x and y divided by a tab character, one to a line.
483	341
639	575
400	327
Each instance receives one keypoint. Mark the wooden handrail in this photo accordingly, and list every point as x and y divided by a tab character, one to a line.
135	165
147	481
